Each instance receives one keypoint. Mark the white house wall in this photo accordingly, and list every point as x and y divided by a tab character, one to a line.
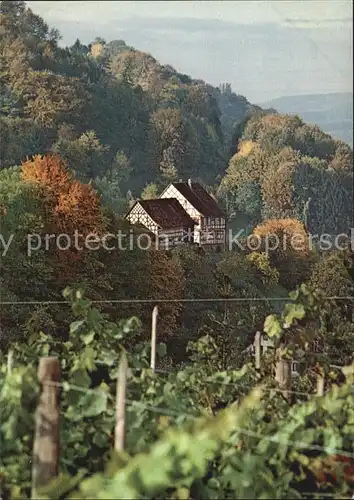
139	216
167	238
206	231
171	237
172	192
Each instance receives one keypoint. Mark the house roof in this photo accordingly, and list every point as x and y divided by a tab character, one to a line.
199	198
168	213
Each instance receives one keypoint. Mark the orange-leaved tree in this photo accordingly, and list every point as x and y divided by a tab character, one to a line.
71	207
72	204
291	233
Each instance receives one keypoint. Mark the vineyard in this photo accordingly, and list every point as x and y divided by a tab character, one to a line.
189	433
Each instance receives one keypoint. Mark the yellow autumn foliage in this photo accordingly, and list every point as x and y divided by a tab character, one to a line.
291	234
245	148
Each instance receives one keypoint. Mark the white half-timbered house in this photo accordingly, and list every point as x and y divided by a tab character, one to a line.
210	228
165	218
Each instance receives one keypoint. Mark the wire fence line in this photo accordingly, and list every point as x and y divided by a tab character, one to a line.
222	383
158	371
280	438
171	413
100	392
166	301
219	382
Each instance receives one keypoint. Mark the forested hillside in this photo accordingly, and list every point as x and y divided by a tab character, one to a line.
114	113
284	167
131	125
332	112
86	130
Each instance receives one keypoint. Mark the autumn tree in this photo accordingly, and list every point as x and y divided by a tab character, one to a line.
137	68
23	277
72	208
52	99
240	188
73	205
44	198
286	184
274	132
116	97
40	199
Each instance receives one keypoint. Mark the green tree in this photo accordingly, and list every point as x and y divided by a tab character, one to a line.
149	192
86	155
23	276
21	138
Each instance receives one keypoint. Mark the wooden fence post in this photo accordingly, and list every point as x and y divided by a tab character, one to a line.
153	337
257	350
120	404
283	375
10	361
320	385
46	447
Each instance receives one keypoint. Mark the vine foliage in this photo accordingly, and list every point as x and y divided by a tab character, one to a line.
199	432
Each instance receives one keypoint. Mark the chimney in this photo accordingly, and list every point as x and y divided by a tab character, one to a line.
190	183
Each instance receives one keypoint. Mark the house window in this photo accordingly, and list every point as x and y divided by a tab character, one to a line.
316	346
294	367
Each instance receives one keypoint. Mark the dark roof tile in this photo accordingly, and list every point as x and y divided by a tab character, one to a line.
199	198
168	213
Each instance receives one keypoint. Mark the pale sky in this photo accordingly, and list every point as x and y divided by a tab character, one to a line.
264	49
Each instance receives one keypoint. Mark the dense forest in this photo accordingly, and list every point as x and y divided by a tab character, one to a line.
85	131
332	112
